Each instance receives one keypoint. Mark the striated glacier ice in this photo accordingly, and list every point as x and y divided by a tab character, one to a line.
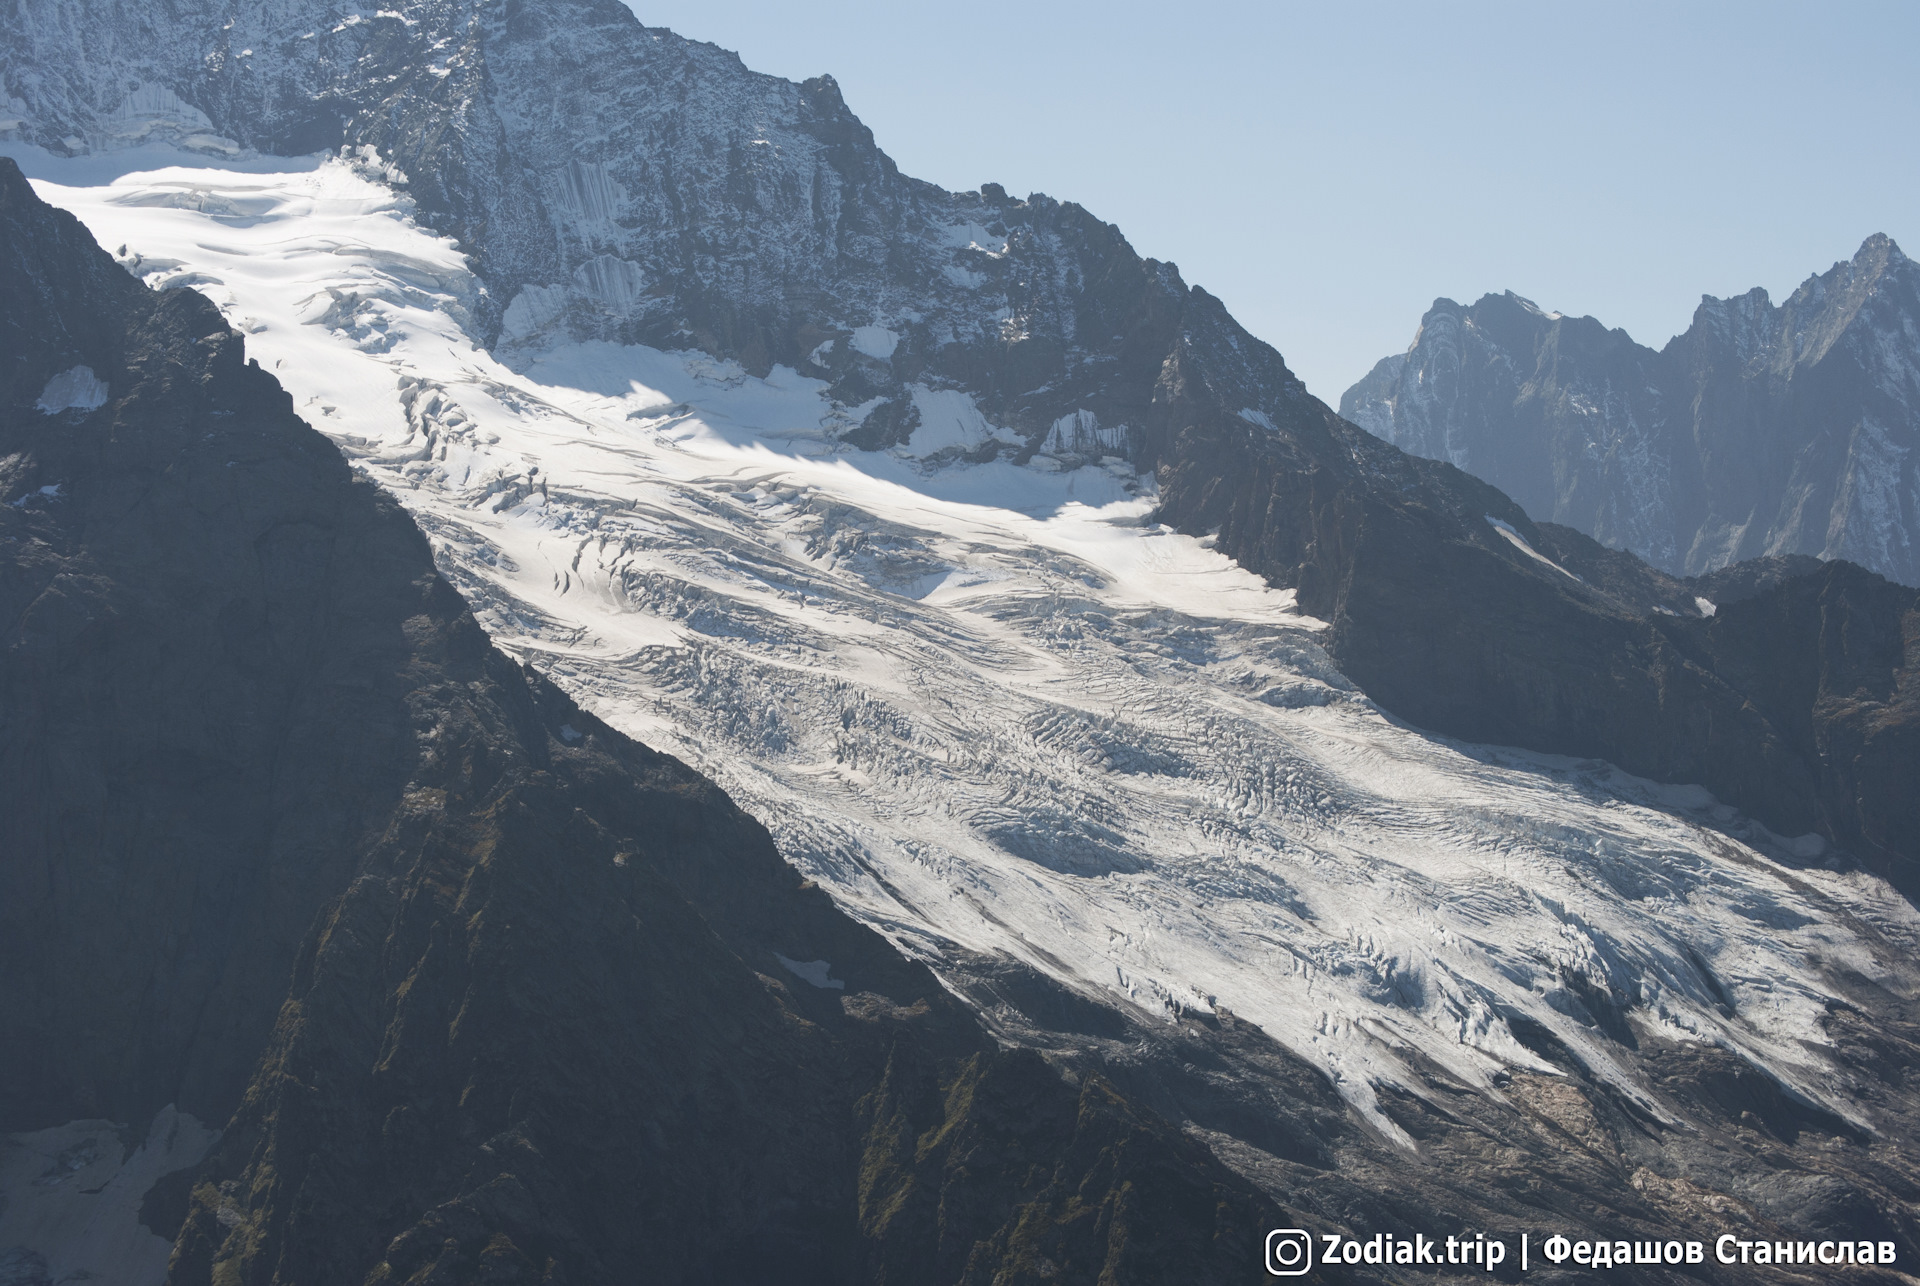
995	708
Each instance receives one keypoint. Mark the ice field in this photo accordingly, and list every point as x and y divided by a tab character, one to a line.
997	707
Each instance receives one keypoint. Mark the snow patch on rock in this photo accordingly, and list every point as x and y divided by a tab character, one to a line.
71	1194
1521	543
816	972
74	389
876	342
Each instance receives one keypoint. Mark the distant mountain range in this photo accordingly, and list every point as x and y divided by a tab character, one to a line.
1763	429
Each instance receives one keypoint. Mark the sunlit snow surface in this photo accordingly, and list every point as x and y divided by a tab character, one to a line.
997	707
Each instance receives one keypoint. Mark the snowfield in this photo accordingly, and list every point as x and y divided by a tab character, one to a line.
996	708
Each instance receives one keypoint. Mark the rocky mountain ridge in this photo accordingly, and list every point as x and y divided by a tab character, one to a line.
1760	430
619	182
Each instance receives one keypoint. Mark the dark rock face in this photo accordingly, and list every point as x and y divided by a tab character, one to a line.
184	788
484	990
1760	430
1831	660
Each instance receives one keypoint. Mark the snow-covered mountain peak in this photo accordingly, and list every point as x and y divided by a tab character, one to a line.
620	183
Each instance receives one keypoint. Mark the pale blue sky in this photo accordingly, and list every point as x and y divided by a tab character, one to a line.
1329	169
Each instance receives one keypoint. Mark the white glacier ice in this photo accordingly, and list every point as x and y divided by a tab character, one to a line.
1521	543
75	389
72	1194
999	709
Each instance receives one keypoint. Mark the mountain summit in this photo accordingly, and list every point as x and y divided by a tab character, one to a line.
618	182
1762	430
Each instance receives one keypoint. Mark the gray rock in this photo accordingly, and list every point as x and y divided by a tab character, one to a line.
621	182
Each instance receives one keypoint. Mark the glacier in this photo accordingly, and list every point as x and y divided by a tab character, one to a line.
998	710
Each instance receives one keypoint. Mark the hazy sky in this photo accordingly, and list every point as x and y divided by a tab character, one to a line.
1329	169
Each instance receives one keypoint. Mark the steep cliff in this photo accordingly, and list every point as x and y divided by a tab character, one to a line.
622	182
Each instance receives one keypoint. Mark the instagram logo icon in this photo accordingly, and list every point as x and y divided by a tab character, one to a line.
1289	1252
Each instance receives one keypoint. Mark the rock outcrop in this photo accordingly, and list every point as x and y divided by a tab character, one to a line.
620	182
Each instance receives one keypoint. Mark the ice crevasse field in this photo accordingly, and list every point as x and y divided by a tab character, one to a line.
994	708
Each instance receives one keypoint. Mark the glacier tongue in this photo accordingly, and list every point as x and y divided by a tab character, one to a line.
999	710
